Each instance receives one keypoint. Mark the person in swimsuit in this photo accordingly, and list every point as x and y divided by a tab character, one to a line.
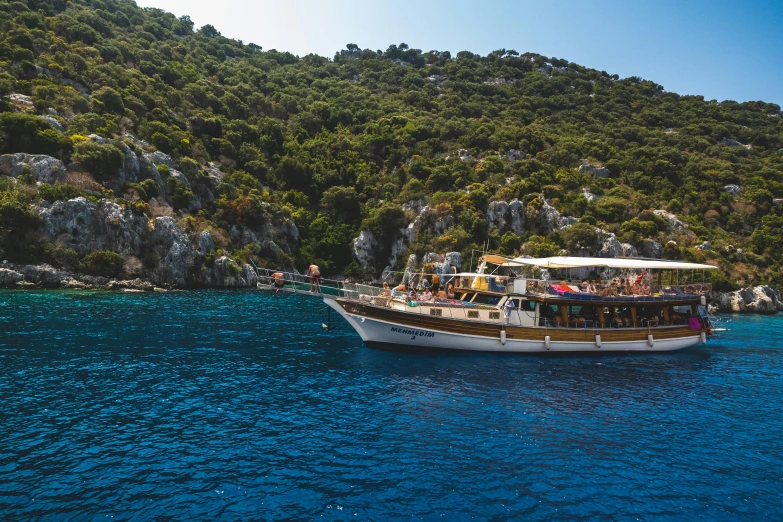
278	282
435	284
399	290
315	277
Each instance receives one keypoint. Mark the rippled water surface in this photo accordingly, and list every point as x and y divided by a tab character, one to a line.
233	405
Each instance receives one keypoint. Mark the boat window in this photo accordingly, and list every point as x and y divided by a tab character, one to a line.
466	296
530	306
486	299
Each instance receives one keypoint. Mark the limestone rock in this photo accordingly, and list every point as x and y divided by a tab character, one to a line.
86	226
463	154
628	250
132	284
497	213
46	169
610	246
546	219
225	272
159	158
215	174
596	171
589	196
651	249
760	299
453	259
704	246
45	275
730	142
674	222
9	278
178	255
21	101
733	189
205	242
54	122
515	155
364	249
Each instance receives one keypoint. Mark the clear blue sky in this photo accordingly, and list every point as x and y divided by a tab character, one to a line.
724	50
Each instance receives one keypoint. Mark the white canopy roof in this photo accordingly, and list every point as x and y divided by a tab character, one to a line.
575	262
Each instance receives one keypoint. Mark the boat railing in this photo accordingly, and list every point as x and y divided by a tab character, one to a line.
614	291
299	283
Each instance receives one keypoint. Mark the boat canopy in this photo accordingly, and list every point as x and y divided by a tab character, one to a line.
576	262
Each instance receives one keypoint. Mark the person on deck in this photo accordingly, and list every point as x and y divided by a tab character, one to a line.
450	291
278	282
426	296
507	308
592	288
399	290
645	289
315	277
386	290
435	284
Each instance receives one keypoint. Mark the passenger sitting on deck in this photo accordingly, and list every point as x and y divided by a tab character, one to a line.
450	291
578	321
558	320
623	288
592	287
636	289
617	321
386	290
584	285
610	291
426	296
627	319
645	289
278	282
653	320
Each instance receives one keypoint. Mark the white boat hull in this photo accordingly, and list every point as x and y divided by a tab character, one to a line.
373	330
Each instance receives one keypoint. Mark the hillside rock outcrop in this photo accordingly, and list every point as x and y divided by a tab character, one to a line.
759	300
46	169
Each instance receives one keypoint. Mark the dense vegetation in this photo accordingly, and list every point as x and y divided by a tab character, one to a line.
340	144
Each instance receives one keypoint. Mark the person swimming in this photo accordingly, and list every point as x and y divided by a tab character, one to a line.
278	282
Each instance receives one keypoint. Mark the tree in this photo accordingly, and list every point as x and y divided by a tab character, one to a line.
342	204
27	133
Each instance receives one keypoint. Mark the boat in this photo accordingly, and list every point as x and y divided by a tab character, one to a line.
496	309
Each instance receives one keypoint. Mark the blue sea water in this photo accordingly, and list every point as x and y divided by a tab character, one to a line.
210	405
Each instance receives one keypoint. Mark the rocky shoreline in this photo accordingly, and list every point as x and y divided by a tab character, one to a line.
761	299
48	277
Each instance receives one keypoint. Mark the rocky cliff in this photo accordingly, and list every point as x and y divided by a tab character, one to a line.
757	300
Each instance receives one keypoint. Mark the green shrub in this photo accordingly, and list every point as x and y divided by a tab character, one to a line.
179	193
58	191
21	132
60	257
16	216
103	161
102	263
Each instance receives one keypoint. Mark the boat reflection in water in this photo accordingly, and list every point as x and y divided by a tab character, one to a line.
496	310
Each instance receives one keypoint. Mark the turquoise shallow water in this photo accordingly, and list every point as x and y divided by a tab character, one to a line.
231	405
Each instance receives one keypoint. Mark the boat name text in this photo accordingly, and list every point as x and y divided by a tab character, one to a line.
413	333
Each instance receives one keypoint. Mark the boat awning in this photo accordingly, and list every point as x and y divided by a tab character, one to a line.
576	262
494	259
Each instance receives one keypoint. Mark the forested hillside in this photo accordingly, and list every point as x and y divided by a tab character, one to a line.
357	160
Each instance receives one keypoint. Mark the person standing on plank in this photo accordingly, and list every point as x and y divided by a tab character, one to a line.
315	277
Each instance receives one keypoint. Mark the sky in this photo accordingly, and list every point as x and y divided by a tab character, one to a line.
722	50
